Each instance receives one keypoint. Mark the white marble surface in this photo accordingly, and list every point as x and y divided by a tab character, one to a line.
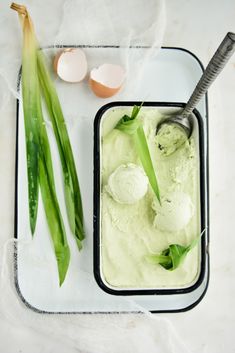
208	327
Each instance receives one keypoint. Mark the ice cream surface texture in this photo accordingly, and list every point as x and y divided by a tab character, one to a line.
170	137
127	184
133	224
175	212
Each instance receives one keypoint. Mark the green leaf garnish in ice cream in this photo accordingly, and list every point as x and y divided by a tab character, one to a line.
132	125
172	257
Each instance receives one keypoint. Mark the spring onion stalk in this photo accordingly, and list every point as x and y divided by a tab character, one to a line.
71	184
133	126
39	162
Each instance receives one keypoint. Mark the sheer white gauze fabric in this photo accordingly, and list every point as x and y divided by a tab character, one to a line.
95	22
91	333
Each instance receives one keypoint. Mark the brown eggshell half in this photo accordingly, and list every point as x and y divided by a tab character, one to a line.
56	59
70	65
101	90
106	80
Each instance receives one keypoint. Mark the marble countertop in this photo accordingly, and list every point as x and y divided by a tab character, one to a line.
198	26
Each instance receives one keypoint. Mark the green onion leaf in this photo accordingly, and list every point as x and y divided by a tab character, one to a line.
133	126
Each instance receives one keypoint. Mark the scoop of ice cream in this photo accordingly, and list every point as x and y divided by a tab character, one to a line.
175	213
169	138
127	184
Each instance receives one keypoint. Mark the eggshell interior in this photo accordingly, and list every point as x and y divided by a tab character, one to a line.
108	75
72	65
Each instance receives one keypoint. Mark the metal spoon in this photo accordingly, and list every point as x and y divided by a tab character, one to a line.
215	66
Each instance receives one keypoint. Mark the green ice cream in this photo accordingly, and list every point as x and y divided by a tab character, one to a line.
132	230
170	137
127	184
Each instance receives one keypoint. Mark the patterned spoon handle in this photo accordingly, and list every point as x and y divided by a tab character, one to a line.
216	64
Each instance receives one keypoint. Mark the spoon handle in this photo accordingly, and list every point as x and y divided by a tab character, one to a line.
216	64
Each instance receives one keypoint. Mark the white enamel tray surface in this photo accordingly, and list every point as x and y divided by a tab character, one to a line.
170	76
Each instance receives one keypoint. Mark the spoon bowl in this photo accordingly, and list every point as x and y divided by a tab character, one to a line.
181	122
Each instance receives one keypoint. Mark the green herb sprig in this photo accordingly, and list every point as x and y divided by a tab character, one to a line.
133	126
172	257
71	185
36	82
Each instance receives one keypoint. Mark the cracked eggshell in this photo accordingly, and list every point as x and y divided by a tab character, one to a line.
71	65
106	80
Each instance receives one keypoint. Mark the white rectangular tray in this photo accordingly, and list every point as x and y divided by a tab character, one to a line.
170	76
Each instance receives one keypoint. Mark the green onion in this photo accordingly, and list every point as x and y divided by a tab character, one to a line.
39	162
133	126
